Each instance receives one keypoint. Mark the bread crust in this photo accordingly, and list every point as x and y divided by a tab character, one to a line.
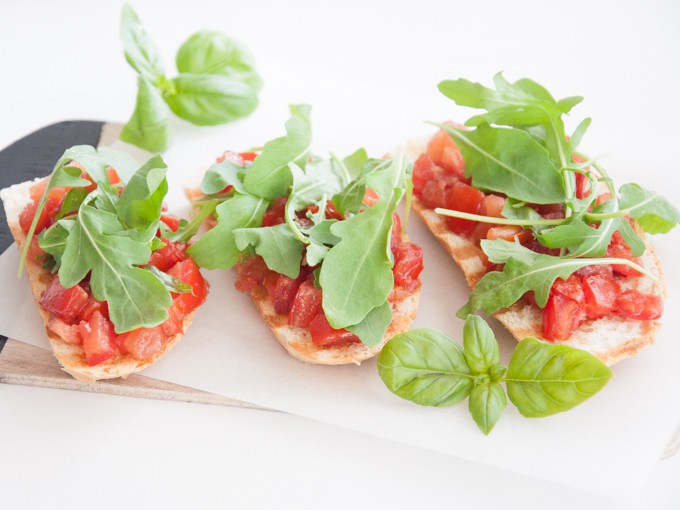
71	357
611	338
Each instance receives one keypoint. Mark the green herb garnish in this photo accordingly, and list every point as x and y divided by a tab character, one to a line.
426	367
520	148
217	83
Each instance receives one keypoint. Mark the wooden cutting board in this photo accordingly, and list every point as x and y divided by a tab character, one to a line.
34	156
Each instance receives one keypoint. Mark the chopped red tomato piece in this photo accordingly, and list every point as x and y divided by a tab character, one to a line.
464	198
251	273
306	305
69	333
395	237
508	233
452	161
35	252
143	343
370	198
175	322
248	156
276	214
323	335
620	250
188	272
172	222
93	306
565	309
635	305
66	304
423	172
434	193
47	215
437	144
582	185
600	292
408	263
284	293
492	205
98	339
168	256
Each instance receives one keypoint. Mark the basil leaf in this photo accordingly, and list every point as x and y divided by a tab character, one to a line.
140	51
487	402
141	202
270	177
545	379
212	52
170	282
371	329
425	367
221	175
148	127
356	275
217	249
210	99
136	297
654	213
479	342
511	162
277	245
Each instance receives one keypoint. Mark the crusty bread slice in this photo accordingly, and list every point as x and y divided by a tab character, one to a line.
71	357
298	341
611	338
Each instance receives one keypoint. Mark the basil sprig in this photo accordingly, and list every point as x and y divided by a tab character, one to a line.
354	254
217	83
426	367
519	147
110	236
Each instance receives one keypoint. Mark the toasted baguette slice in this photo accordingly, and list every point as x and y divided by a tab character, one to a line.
611	338
298	341
71	357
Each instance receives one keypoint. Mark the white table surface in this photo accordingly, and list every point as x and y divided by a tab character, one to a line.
360	66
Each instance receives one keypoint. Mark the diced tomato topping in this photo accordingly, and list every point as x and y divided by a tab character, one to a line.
635	305
370	198
582	185
168	256
113	176
395	237
492	206
604	197
276	214
175	322
284	293
464	198
251	273
69	333
408	263
452	161
187	271
323	335
35	252
306	305
66	304
423	172
94	306
437	144
600	292
172	222
332	212
508	233
143	343
620	250
98	339
565	309
434	192
47	215
248	156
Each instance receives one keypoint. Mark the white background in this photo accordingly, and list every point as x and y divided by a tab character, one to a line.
370	71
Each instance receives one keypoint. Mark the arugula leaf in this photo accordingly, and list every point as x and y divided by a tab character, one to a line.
425	367
95	161
371	329
545	379
210	99
148	127
356	275
170	282
140	51
141	202
53	239
212	52
217	249
654	213
136	297
270	177
486	404
74	197
511	162
277	245
221	175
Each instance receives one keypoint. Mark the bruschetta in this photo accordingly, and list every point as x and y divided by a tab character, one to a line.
545	241
316	242
110	275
